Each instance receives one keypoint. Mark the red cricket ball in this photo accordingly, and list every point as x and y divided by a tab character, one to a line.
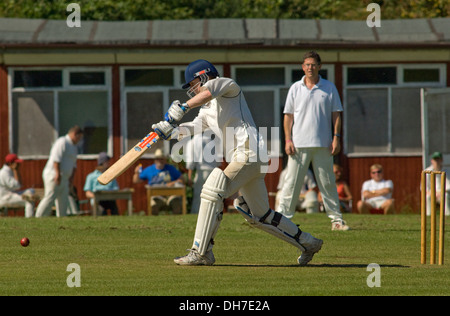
24	241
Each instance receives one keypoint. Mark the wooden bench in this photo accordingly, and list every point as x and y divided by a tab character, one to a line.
153	190
5	207
124	194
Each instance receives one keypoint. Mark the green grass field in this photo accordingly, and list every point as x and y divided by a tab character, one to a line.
134	256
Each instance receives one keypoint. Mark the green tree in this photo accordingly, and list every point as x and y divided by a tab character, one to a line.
128	10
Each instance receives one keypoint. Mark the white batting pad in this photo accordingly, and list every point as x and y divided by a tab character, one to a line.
210	212
283	228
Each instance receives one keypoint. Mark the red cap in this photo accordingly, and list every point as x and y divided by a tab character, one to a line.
10	158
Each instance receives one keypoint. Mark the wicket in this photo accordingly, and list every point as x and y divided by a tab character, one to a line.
423	211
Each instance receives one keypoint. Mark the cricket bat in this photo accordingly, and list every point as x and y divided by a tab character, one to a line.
121	165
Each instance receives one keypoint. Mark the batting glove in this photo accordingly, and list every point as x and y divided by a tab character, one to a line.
176	111
164	129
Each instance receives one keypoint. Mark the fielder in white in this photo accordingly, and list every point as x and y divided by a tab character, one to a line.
224	107
58	173
312	108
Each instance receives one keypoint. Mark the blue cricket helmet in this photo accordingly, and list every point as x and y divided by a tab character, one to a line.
198	68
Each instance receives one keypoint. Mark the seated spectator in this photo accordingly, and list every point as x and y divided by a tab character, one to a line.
345	196
163	174
376	193
307	200
92	185
10	183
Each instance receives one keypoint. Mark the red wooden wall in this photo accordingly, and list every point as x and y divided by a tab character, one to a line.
403	171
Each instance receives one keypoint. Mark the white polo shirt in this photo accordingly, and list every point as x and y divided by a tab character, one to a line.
312	110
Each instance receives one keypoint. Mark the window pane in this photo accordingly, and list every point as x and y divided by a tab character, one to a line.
148	77
406	121
87	78
367	120
297	74
259	76
438	121
37	78
182	80
143	110
32	122
260	104
372	75
421	75
89	110
283	96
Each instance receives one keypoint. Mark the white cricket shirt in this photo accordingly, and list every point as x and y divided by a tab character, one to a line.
64	152
229	117
312	110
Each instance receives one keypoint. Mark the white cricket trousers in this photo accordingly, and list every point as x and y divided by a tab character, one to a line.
248	179
54	194
438	200
297	166
15	199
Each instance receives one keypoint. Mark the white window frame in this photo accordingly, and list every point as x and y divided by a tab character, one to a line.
373	85
66	87
165	90
328	67
235	67
124	114
400	84
66	77
124	90
275	113
276	96
442	75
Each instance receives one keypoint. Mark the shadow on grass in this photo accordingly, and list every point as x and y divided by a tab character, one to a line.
323	265
353	265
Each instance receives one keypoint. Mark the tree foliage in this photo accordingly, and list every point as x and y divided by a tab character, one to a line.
129	10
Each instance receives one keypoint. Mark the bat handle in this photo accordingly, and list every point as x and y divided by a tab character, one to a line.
168	118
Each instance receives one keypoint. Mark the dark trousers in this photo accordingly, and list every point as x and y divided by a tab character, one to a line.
104	206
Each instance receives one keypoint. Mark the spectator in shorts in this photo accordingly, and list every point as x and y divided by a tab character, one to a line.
345	196
437	165
376	193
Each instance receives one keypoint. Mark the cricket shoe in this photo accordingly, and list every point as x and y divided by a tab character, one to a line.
193	258
312	246
339	225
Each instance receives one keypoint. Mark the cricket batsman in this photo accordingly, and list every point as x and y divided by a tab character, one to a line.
224	107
